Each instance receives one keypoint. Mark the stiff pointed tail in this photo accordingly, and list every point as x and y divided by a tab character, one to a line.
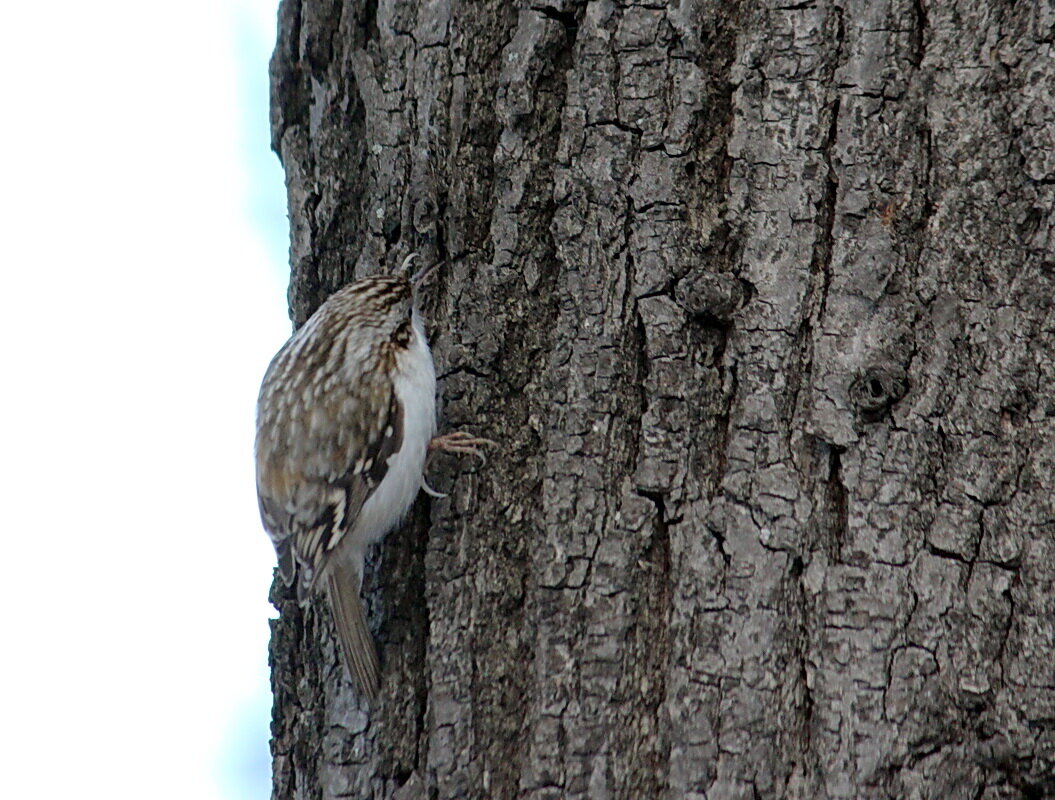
353	632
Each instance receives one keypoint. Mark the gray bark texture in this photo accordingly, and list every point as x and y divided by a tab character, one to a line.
757	299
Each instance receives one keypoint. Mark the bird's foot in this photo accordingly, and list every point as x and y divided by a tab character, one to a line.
461	443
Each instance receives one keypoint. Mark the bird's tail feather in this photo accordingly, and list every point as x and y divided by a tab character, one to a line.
353	631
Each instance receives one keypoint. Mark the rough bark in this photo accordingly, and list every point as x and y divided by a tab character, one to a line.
757	298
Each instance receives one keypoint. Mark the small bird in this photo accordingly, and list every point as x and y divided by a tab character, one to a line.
345	420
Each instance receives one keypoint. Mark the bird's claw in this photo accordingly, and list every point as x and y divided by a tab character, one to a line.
461	443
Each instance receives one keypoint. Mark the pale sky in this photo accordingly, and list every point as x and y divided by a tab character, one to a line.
144	276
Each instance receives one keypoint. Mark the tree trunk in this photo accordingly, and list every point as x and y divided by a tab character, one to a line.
756	299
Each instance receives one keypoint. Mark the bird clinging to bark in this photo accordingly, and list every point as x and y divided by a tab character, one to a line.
345	419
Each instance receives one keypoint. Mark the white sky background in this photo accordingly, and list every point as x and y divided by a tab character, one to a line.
144	272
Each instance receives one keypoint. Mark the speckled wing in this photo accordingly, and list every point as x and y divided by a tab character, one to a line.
318	461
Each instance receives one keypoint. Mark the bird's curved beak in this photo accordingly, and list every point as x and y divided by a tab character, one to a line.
422	274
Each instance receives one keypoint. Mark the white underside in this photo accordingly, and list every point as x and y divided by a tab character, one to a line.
415	386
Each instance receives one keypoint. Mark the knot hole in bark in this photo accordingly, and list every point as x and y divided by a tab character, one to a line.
877	389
